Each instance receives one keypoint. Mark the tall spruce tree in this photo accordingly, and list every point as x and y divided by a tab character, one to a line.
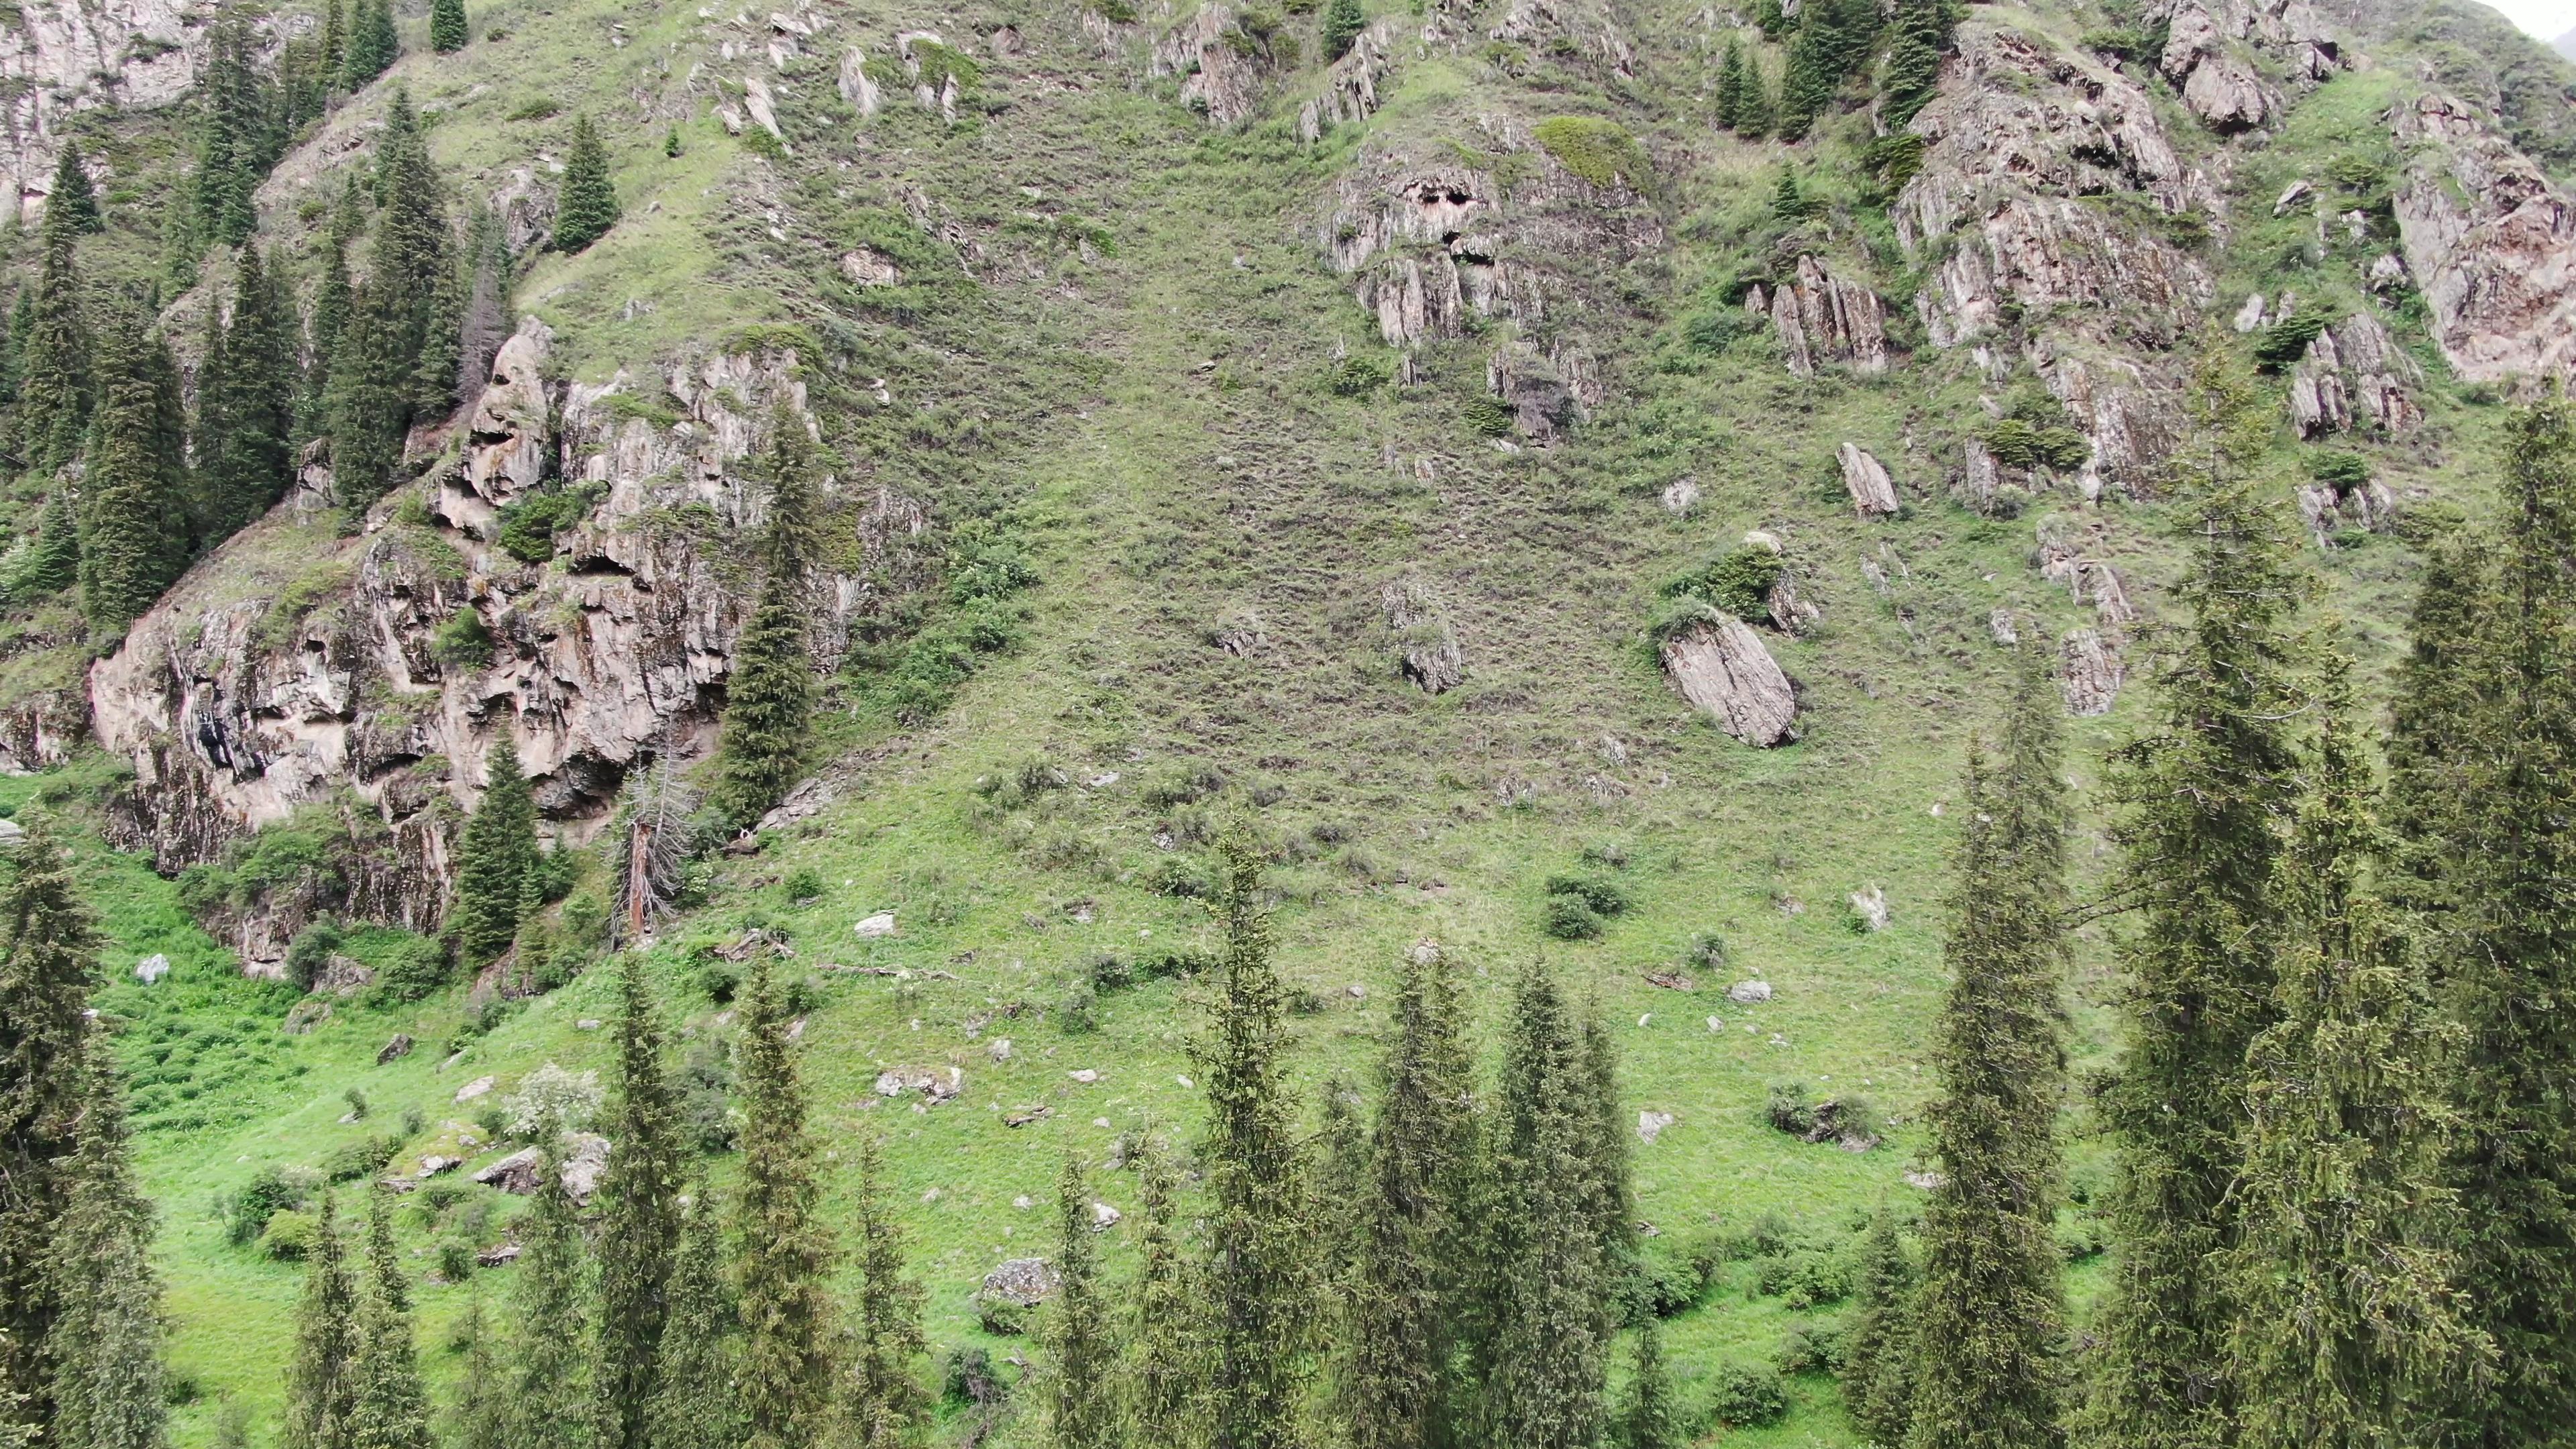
1542	1325
1730	83
1257	1276
1877	1370
53	564
71	208
485	324
2353	1321
1912	69
51	944
1084	1398
388	1406
54	397
447	33
496	853
1648	1416
245	404
693	1404
588	207
107	1389
482	1416
886	1399
230	141
1990	1315
1755	112
1407	1271
372	46
640	1235
393	320
1343	22
782	1250
2486	797
550	1399
134	494
1164	1339
335	42
2205	797
321	1377
769	700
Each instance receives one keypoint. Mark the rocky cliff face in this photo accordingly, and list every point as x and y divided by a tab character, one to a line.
58	57
2491	242
293	671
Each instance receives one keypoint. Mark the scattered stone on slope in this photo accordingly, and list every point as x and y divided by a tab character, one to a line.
1681	495
2490	241
2000	628
151	968
1873	493
1721	667
934	1084
2355	372
855	85
1870	907
1535	390
1216	77
1821	317
395	1049
1350	86
2330	508
1651	1125
1026	1282
2089	672
1749	992
1426	646
1580	27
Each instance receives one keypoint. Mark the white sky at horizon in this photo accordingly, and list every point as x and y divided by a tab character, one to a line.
2547	19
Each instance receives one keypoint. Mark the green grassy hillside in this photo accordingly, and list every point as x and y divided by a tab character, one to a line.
1120	346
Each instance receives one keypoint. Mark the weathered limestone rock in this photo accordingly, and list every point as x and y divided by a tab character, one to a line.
2225	92
1873	493
1350	87
1585	27
2331	508
61	57
2355	371
1426	645
1721	667
1822	317
1534	387
855	86
2491	242
1215	77
2089	673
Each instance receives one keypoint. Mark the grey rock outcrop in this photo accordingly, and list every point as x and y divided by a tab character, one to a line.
1216	76
2355	373
1721	666
2089	672
62	57
2491	243
1426	646
1822	317
1350	87
1873	493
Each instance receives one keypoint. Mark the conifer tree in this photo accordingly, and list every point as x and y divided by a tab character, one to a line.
1085	1403
13	343
886	1399
782	1250
107	1389
482	1405
333	299
447	26
1730	84
2353	1322
245	404
53	564
1164	1351
1807	84
335	42
1257	1273
1648	1417
372	45
54	398
2486	795
550	1401
495	855
182	245
388	1407
2205	795
394	318
1878	1346
1912	69
321	1379
1407	1272
769	701
641	1231
71	208
230	162
1754	110
1343	22
693	1404
134	495
485	324
1990	1314
1543	1324
588	207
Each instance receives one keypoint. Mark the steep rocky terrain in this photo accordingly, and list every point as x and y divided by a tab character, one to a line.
1374	447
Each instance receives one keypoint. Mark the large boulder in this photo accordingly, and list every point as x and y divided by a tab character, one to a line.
1721	666
1873	493
2491	243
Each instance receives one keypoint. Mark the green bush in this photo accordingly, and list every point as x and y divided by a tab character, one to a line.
463	642
1715	328
353	1160
311	950
1748	1396
2342	471
1811	1348
1738	582
804	883
1596	892
1486	414
2283	343
1570	918
249	1209
2017	442
1600	151
529	526
289	1236
410	968
455	1261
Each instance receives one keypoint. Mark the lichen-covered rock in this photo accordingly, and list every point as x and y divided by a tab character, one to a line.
1721	667
1873	493
61	57
2330	508
1350	87
2089	672
2491	243
1426	646
2354	371
1543	399
1820	316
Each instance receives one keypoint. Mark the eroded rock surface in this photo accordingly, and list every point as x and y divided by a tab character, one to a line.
1722	667
60	57
2490	241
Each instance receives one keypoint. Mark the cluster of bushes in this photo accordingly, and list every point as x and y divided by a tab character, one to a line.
1578	906
2020	442
1736	582
2286	341
914	679
529	526
1832	1119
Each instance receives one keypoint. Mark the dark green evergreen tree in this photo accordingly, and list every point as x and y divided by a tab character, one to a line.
2206	795
54	398
1730	84
1084	1400
394	319
588	207
1407	1271
495	854
782	1250
1343	22
53	564
373	47
693	1394
1990	1315
886	1399
485	322
321	1378
1878	1346
107	1390
333	299
245	404
482	1416
71	208
183	246
1542	1326
2353	1323
230	139
1257	1276
1755	112
550	1398
135	497
1912	69
1648	1417
447	26
2485	797
335	43
769	701
1165	1351
388	1408
640	1233
13	343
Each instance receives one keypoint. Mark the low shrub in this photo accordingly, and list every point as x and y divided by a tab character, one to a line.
1602	895
1739	582
1748	1396
2283	343
289	1237
1570	918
